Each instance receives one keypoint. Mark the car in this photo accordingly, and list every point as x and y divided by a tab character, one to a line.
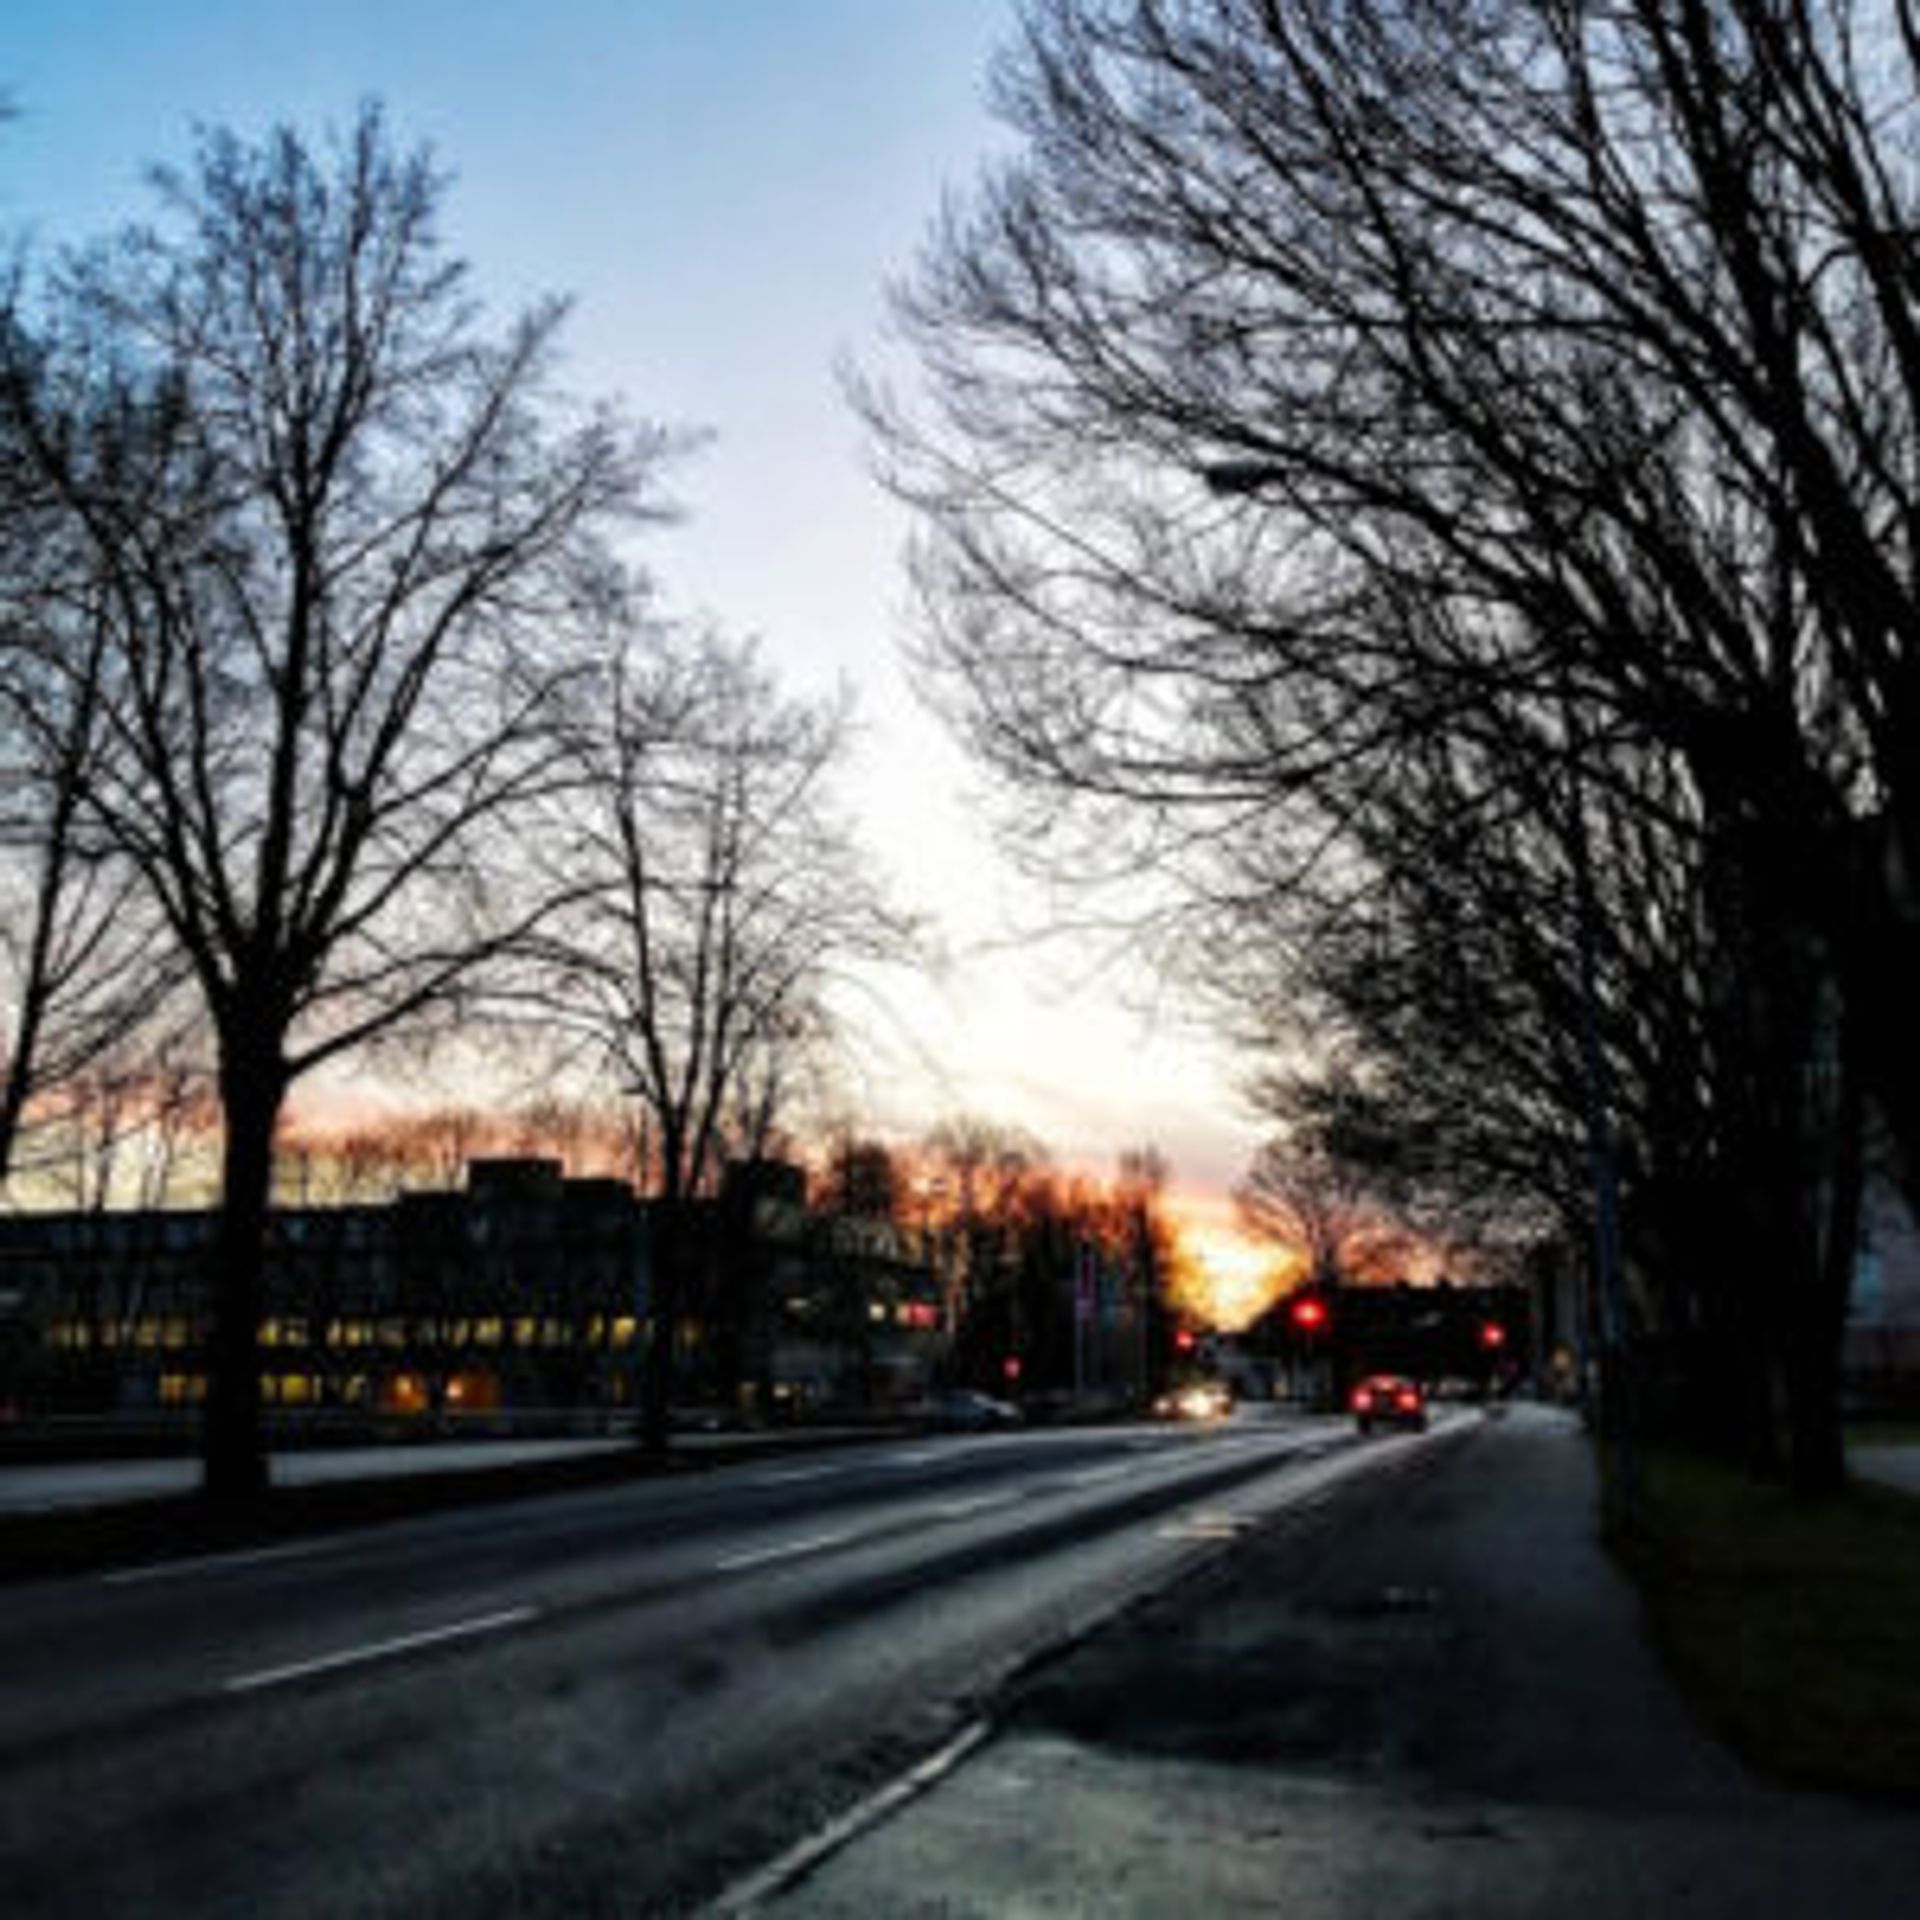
1198	1400
963	1410
1389	1400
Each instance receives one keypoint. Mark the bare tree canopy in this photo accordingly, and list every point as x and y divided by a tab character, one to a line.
1579	330
1302	1194
80	970
716	896
1523	394
349	546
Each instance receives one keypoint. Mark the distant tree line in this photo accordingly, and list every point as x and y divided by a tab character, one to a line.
1440	481
1052	1282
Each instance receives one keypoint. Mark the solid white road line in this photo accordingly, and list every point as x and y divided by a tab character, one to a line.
380	1650
787	1550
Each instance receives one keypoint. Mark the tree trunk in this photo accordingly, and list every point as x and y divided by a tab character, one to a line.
667	1243
1819	1464
233	1443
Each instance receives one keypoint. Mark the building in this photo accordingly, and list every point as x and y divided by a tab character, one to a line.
522	1294
798	1311
524	1290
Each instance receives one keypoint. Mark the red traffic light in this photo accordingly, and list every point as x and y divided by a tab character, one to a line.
1309	1313
1183	1339
1010	1366
1492	1334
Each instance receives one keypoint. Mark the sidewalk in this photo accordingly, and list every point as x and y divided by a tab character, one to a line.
1440	1704
62	1486
73	1486
1891	1464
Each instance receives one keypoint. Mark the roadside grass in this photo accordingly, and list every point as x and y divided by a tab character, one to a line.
1794	1628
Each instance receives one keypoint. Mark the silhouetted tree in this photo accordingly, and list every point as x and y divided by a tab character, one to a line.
348	549
1301	1193
1319	383
80	968
716	894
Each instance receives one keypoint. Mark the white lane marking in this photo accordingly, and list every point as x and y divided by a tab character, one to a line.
918	1459
748	1896
981	1503
787	1550
380	1650
1207	1526
792	1476
1094	1476
217	1562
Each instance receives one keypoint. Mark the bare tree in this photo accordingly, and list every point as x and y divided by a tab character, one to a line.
80	968
1323	382
719	895
1302	1194
440	1143
349	548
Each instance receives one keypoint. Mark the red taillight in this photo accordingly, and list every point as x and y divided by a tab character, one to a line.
1362	1399
1408	1402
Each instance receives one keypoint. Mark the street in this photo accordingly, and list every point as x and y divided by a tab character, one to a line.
618	1700
1432	1696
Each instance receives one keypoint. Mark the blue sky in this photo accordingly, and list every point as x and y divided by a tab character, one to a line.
724	186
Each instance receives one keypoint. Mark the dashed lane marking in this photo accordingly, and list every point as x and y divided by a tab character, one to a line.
380	1650
786	1550
217	1562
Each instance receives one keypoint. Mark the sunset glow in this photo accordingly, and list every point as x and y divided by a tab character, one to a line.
1229	1277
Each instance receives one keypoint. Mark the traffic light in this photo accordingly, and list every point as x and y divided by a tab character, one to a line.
1184	1339
1493	1336
1308	1313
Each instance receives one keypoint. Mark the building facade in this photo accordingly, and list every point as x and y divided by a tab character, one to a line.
523	1293
525	1289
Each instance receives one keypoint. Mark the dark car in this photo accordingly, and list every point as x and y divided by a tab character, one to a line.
964	1411
1388	1400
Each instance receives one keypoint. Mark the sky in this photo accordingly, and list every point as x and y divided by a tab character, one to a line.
724	190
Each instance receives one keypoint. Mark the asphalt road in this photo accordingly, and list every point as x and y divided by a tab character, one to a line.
612	1701
1430	1697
